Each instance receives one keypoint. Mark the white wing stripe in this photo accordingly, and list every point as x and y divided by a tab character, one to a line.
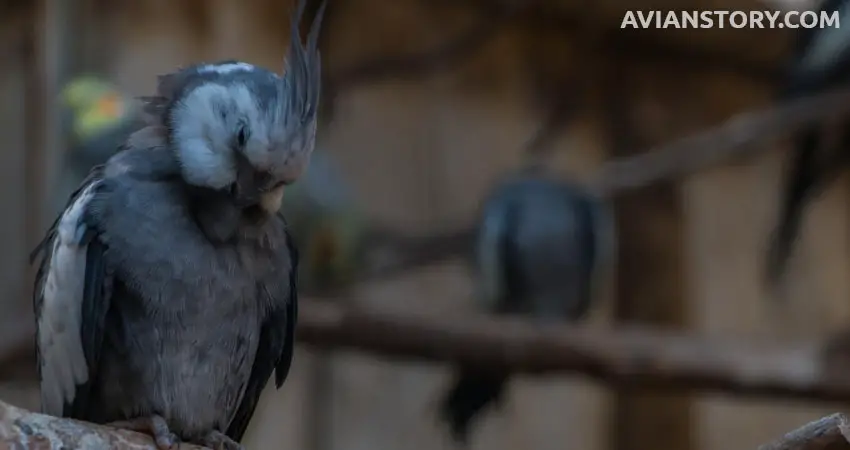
63	365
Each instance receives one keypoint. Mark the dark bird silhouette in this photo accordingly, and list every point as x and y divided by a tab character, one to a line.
820	61
543	248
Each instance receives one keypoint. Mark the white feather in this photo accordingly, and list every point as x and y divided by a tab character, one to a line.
63	363
224	69
203	137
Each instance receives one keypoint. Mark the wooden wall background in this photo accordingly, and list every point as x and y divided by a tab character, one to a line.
422	152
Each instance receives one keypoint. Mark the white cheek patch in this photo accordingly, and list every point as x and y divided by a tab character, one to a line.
205	123
201	136
224	69
63	363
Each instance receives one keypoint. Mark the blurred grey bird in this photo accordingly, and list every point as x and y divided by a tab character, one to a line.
166	294
327	224
543	249
820	61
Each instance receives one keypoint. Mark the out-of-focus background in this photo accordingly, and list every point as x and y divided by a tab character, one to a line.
426	104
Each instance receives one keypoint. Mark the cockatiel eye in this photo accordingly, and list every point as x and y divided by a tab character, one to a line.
241	136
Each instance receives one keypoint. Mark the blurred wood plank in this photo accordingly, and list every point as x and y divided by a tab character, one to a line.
650	273
45	67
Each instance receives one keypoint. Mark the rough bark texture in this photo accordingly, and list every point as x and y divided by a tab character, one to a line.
24	430
828	433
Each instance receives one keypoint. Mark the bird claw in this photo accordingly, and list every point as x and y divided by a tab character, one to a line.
217	440
155	426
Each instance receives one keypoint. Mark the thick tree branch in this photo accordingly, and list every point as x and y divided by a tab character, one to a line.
628	357
828	433
631	357
25	430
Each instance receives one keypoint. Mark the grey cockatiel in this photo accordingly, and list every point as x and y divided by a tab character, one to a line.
166	295
543	247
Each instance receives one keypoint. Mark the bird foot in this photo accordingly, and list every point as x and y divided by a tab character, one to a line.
155	426
218	441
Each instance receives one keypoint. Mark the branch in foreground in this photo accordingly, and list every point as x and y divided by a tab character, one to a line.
22	429
625	357
828	433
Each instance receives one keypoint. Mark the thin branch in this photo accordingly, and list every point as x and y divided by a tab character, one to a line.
22	429
418	64
391	254
423	63
644	46
828	433
561	114
627	357
742	135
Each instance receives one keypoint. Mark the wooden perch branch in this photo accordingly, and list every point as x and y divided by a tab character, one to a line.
25	430
828	433
625	357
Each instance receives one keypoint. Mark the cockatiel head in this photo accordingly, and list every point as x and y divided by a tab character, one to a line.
240	132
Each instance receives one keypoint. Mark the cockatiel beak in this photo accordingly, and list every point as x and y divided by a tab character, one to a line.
246	191
252	188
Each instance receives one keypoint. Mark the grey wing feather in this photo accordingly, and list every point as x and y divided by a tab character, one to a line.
275	350
70	299
604	227
494	251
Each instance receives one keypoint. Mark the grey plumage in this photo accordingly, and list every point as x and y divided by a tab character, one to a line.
544	248
166	295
